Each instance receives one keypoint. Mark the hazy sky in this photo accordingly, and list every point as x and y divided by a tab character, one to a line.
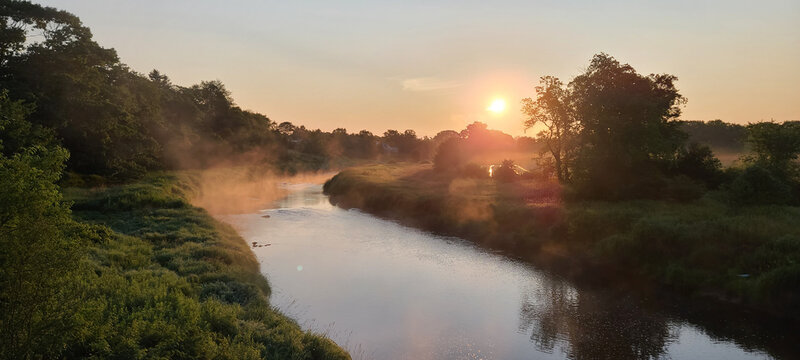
432	65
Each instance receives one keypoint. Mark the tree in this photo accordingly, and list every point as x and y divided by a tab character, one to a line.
757	185
506	172
628	130
552	108
611	131
160	79
40	249
406	142
445	135
698	162
775	146
286	128
449	155
365	144
716	134
102	121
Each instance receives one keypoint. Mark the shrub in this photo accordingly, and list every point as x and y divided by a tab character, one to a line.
506	172
758	186
449	155
698	162
682	188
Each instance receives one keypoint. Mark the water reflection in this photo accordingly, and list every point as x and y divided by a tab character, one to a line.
591	325
389	292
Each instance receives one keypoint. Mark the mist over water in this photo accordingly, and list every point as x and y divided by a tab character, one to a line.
386	291
236	190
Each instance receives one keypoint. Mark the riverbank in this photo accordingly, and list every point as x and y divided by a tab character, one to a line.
706	249
165	279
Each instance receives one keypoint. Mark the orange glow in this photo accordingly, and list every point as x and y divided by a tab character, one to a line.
497	106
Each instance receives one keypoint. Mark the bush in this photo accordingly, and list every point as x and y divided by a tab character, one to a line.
449	155
682	188
698	162
758	186
506	172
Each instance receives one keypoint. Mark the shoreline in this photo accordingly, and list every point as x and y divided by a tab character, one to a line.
419	204
209	262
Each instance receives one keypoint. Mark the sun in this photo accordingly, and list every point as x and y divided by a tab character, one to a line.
497	106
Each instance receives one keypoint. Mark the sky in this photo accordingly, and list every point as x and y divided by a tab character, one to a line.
433	65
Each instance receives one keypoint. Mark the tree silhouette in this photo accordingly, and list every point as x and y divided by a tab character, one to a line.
552	108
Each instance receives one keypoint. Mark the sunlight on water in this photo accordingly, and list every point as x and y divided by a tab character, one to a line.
386	291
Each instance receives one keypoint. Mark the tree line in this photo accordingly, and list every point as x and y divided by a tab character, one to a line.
120	124
612	133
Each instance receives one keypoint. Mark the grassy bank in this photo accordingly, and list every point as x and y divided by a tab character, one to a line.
705	248
166	280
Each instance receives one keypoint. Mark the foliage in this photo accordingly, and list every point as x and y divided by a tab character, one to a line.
776	146
166	280
455	150
143	275
683	189
479	138
698	162
67	60
701	247
696	247
758	185
450	155
716	134
506	172
626	127
611	130
552	108
120	124
40	246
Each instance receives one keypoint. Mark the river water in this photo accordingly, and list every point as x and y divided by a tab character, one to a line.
386	291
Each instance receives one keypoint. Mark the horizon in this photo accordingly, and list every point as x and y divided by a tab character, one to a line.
426	67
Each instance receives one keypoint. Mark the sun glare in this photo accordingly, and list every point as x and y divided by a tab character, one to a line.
497	106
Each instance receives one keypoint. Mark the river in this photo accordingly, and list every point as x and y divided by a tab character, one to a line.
386	291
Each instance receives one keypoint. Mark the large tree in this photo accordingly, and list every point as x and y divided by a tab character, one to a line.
552	109
611	130
99	109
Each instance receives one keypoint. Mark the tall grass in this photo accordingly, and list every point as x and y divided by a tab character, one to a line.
166	280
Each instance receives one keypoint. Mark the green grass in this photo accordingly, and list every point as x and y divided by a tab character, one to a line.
166	280
749	254
707	248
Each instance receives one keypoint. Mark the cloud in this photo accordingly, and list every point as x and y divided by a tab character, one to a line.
428	84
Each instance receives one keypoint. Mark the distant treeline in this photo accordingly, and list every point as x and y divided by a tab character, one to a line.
118	123
717	134
614	134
